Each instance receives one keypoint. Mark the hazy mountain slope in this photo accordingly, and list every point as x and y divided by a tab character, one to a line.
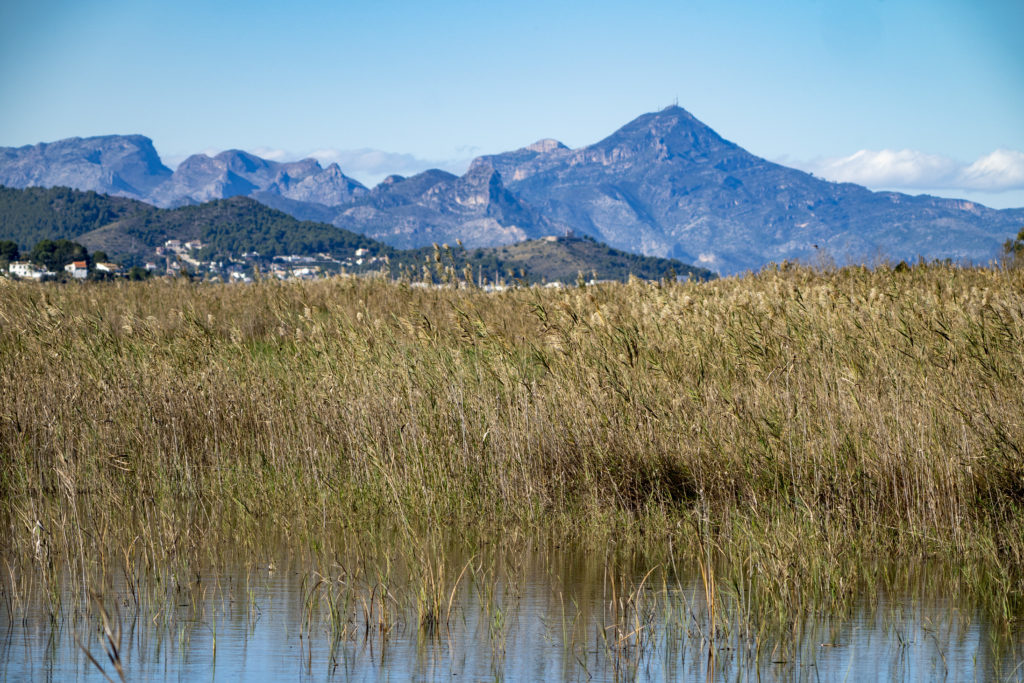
125	165
128	165
232	173
436	206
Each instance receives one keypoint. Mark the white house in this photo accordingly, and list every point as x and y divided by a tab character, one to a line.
26	270
111	268
78	269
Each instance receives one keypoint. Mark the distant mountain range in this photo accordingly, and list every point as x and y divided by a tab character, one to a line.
664	184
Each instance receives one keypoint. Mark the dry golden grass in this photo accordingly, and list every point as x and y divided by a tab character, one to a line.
802	430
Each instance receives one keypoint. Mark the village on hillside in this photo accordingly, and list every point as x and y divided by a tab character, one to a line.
175	258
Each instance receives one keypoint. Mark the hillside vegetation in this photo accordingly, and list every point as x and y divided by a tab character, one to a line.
555	259
229	227
34	214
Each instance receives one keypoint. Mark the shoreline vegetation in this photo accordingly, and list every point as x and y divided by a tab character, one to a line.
800	439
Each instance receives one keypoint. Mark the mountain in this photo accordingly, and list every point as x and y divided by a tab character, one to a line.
200	178
128	166
667	184
436	206
125	165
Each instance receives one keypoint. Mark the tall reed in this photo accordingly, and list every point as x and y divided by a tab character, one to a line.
792	429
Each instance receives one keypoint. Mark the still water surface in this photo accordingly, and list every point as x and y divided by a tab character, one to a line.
259	624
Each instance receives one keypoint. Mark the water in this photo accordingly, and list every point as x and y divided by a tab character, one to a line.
559	618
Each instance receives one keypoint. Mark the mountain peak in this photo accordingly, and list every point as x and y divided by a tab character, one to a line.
671	119
672	130
672	110
241	161
481	166
546	145
93	141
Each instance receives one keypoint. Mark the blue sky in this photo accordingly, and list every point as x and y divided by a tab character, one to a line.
908	94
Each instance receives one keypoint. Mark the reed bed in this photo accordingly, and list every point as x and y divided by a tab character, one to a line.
798	436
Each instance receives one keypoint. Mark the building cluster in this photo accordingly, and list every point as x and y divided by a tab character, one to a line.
77	270
175	257
179	257
295	267
26	270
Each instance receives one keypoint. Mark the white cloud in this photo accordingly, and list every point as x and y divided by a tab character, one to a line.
270	153
1000	171
375	164
905	167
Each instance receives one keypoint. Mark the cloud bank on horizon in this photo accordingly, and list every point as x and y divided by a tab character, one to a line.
999	171
370	166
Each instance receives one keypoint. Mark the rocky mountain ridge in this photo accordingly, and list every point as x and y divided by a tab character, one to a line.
123	165
434	206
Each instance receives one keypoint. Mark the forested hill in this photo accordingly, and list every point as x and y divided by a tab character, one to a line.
551	259
227	227
35	213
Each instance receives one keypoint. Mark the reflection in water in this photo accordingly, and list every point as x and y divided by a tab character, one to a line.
554	616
